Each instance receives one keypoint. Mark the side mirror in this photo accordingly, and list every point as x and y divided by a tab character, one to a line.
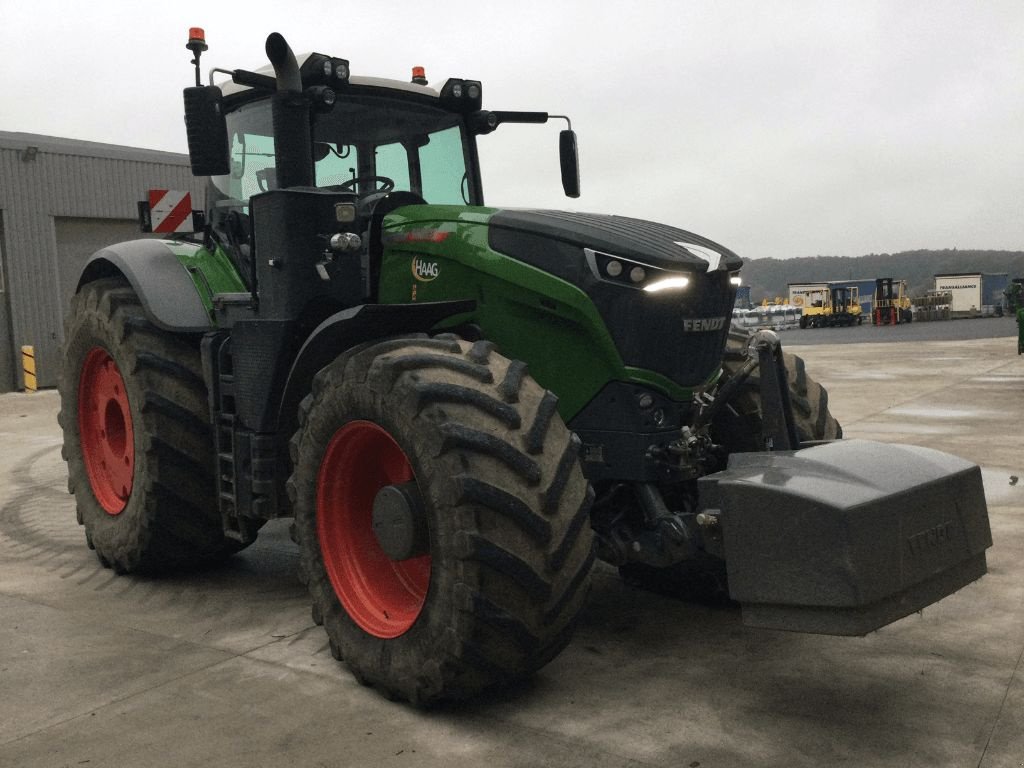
568	157
207	131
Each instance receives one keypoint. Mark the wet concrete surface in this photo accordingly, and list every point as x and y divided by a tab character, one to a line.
941	330
225	667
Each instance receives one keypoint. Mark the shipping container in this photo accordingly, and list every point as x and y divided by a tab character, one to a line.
973	294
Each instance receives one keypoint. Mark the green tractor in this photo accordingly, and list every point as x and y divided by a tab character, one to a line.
463	407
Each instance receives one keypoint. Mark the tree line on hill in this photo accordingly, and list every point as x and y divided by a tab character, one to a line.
769	278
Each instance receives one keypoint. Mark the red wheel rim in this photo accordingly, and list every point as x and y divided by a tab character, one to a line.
383	596
105	431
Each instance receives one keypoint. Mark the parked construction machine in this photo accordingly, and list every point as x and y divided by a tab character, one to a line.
890	304
839	307
463	406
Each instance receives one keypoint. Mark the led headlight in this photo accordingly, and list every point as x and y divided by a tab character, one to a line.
633	274
667	284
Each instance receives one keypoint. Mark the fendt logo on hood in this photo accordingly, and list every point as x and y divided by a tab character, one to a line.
424	270
703	324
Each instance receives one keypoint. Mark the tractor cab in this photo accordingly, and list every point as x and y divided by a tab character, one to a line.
383	145
306	124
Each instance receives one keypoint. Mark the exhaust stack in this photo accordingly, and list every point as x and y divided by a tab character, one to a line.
293	144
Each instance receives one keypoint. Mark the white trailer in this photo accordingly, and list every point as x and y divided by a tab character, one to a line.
808	294
973	294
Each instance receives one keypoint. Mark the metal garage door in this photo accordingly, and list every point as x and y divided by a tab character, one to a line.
8	372
78	239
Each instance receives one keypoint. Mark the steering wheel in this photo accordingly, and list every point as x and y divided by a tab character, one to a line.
386	184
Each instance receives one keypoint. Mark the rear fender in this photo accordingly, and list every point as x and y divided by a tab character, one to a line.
167	292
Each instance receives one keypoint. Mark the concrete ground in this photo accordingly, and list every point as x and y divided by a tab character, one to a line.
226	668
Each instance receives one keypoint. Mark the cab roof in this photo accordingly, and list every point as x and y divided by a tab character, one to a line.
229	87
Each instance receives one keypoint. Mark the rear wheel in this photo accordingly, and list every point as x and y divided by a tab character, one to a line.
136	436
442	517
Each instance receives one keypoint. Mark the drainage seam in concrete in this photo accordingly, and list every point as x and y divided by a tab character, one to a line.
1002	706
233	656
115	701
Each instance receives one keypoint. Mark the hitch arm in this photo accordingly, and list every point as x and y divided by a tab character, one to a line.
764	352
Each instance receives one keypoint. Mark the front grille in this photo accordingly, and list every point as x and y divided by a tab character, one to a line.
679	334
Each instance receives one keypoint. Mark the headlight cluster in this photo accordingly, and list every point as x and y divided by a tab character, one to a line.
634	274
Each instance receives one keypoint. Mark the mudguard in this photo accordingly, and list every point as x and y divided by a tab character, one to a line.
164	286
347	328
846	537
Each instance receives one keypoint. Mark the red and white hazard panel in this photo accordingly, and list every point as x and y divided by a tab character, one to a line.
170	210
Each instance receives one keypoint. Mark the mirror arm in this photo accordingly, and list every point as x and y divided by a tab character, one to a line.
562	117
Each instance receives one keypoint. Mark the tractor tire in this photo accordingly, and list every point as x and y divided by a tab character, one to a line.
137	438
497	548
738	428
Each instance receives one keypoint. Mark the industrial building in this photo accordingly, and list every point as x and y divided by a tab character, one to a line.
60	201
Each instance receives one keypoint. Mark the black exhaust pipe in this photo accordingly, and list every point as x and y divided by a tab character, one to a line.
293	142
286	69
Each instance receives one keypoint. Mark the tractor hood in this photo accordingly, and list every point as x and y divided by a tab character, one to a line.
665	295
658	245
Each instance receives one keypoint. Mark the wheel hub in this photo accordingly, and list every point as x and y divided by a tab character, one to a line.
399	522
105	431
364	470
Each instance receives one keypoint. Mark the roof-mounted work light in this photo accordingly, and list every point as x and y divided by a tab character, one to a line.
461	95
319	69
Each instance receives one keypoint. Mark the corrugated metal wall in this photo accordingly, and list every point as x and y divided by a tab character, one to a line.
8	377
63	178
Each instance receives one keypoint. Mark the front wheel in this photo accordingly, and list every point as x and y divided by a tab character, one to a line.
442	517
738	425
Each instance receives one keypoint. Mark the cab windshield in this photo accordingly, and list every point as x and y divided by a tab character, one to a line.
365	144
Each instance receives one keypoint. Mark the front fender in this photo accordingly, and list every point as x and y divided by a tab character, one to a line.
349	327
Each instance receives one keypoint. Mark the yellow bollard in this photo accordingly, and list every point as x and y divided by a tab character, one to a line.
28	365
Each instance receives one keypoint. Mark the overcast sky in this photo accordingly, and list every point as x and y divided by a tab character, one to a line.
776	128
